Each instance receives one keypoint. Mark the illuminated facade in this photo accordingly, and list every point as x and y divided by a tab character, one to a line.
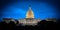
29	20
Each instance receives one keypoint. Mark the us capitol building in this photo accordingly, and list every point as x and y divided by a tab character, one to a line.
29	20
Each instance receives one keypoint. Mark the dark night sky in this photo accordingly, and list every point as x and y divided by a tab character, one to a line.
18	8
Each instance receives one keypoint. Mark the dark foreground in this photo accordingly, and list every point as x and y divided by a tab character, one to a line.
42	25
